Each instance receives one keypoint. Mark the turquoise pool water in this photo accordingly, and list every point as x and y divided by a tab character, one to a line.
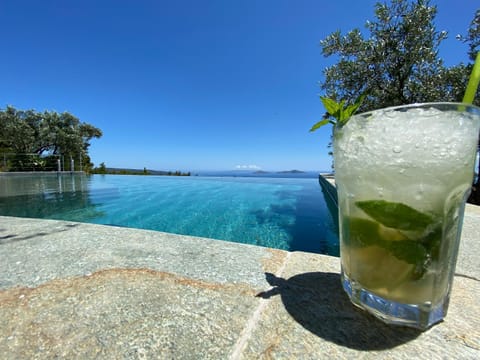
283	213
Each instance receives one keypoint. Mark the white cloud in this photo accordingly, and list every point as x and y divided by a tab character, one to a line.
247	167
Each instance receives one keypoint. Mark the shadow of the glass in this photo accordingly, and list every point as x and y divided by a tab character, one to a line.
318	302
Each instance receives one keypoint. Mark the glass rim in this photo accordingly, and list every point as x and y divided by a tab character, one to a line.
441	105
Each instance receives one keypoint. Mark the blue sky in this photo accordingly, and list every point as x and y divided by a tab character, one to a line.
189	85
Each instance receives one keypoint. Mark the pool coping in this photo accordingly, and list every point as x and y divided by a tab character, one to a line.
80	290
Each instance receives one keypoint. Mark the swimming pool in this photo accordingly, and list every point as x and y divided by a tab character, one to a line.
283	213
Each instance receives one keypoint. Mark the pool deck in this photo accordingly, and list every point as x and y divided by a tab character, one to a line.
71	290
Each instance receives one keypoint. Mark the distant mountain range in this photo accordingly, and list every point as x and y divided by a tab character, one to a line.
260	173
280	172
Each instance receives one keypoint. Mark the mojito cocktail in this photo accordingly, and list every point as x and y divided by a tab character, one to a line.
403	175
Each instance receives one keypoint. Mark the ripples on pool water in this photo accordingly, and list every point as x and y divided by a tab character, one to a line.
282	213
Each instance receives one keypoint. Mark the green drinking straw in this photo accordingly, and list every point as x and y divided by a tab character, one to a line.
473	82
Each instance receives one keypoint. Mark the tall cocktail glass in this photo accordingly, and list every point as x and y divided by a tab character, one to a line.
403	175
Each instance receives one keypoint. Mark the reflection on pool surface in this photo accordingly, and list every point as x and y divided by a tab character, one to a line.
282	213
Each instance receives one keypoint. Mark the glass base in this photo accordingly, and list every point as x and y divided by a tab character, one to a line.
391	312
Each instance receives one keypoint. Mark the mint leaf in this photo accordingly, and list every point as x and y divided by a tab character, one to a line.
320	124
410	251
332	107
432	241
351	109
363	232
360	232
395	215
338	111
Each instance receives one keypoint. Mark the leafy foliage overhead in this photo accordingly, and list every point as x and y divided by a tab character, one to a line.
398	63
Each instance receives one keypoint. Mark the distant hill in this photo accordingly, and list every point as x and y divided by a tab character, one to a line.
291	172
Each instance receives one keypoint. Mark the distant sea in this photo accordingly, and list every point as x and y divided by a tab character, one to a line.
229	173
265	174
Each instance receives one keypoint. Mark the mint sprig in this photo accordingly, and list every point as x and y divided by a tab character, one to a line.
338	113
395	215
398	218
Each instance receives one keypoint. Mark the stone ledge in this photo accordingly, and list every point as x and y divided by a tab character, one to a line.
91	291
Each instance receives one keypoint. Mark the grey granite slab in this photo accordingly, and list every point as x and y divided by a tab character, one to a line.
123	314
309	316
468	263
35	251
74	290
71	290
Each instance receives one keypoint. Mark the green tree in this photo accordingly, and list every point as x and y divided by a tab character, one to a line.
102	169
473	36
47	133
18	130
398	63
